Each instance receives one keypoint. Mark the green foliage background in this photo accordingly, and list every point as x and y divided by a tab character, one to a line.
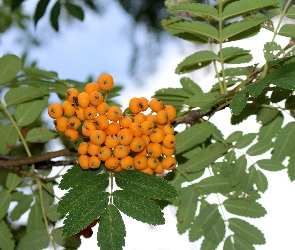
209	164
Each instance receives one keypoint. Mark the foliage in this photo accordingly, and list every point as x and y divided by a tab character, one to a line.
209	164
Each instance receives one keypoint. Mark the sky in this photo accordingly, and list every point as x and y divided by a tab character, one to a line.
101	45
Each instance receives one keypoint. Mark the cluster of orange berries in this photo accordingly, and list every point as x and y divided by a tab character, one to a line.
140	139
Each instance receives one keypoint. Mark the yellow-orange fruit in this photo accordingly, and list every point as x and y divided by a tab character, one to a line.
154	150
125	136
139	118
162	117
147	170
113	128
159	169
147	127
68	108
104	153
87	127
83	148
144	103
114	113
112	163
105	82
167	151
137	144
169	141
126	162
101	122
157	135
136	129
121	151
83	162
146	139
140	162
171	111
153	162
135	105
79	113
111	141
74	122
83	100
156	105
90	113
96	98
94	162
152	118
169	163
97	137
168	129
125	122
55	110
71	93
91	87
61	124
93	148
102	108
71	134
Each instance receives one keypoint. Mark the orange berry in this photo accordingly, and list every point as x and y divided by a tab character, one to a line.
169	141
94	162
145	103
140	162
125	122
167	151
147	127
61	124
139	118
168	129
93	148
159	169
83	100
111	141
55	110
137	144
117	169
102	108
162	117
95	98
146	139
68	108
153	162
113	128
112	163
121	151
126	162
152	118
135	105
87	127
136	129
157	135
169	163
105	82
83	162
101	122
143	152
71	134
147	170
114	113
97	137
125	136
71	93
171	111
156	105
80	114
89	113
104	153
83	148
74	123
154	150
91	87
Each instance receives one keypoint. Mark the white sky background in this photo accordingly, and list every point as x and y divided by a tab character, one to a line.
100	44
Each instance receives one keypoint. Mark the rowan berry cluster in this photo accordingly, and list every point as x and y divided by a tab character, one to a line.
142	138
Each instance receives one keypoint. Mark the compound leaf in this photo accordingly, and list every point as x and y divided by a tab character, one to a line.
6	237
111	231
244	208
144	184
214	184
138	207
40	135
10	65
246	231
22	94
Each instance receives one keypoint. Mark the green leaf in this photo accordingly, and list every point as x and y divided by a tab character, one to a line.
190	86
207	217
75	11
35	219
234	136
28	112
22	206
246	231
286	83
9	136
204	158
261	181
260	147
217	232
22	94
54	14
235	55
12	180
291	12
15	4
242	7
40	73
10	65
52	214
270	130
290	104
237	170
236	28
196	61
205	100
242	244
111	231
187	202
76	177
6	237
144	184
270	164
193	136
138	207
66	242
195	10
35	240
287	30
84	206
40	135
40	10
246	140
291	167
195	28
284	144
244	208
214	184
239	103
272	50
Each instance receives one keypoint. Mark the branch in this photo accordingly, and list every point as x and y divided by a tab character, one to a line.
192	117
